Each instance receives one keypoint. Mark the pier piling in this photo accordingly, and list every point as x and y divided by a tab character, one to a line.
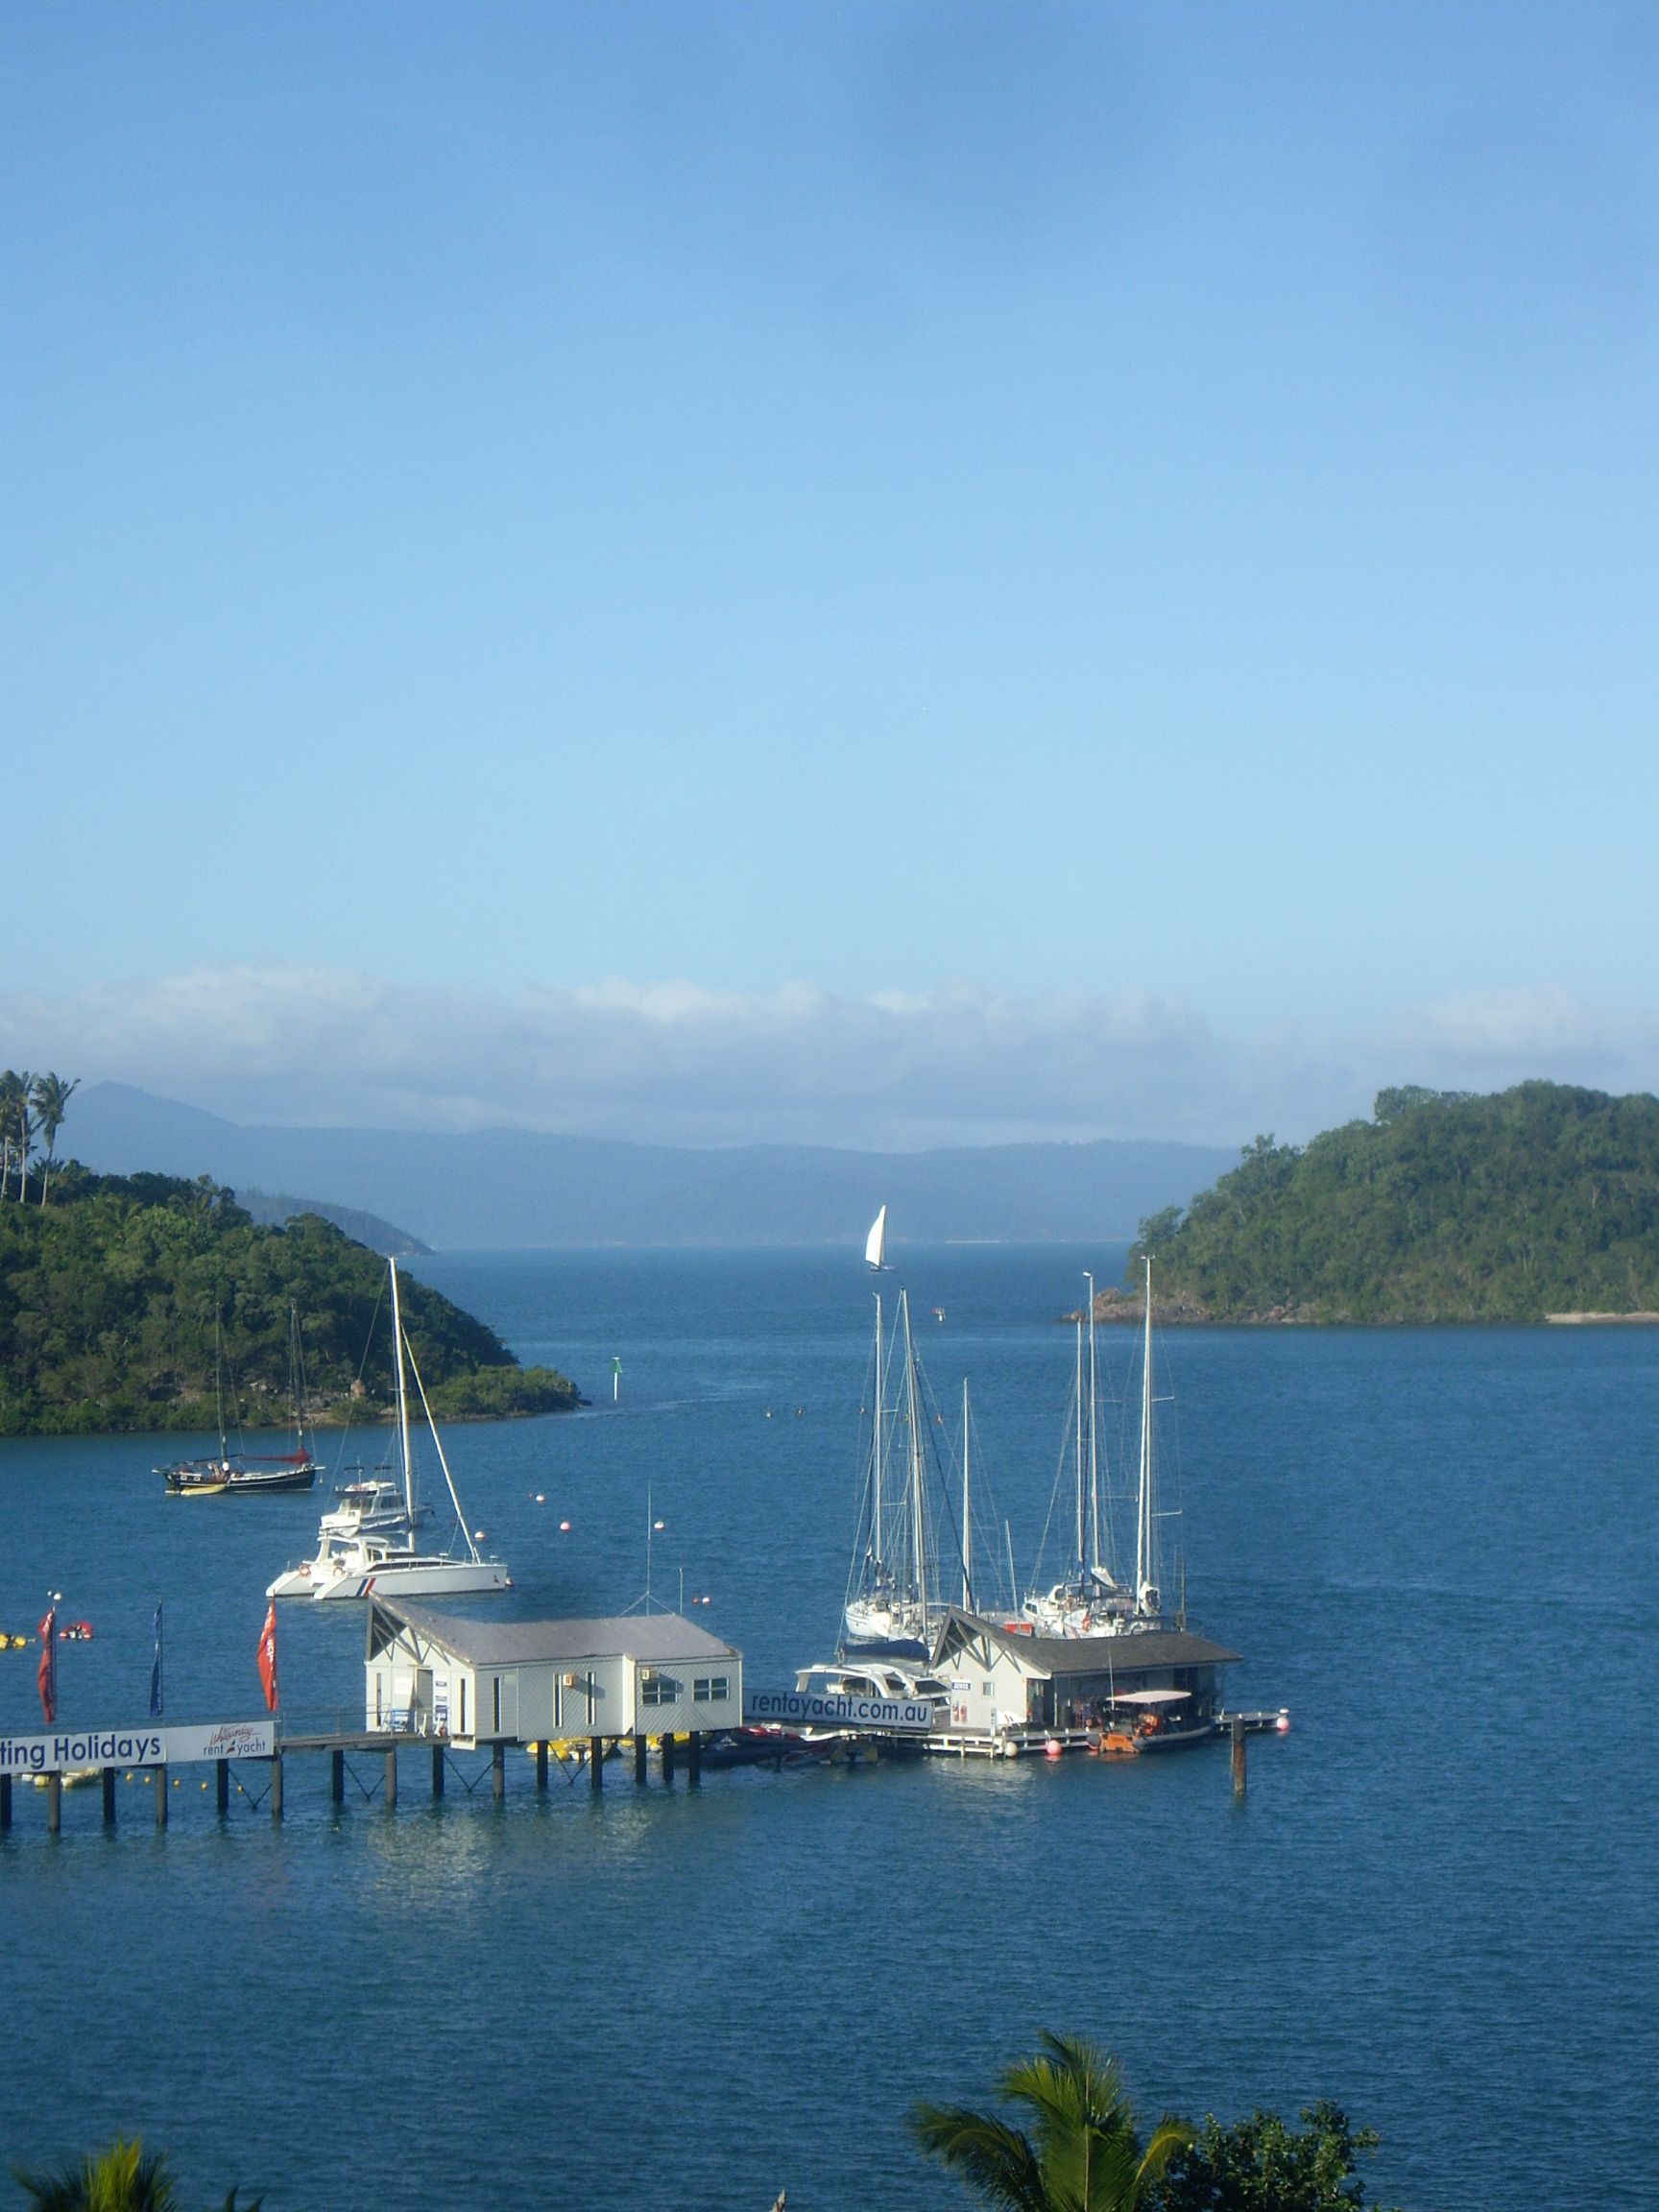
642	1752
222	1786
694	1757
54	1803
107	1781
437	1770
1239	1777
392	1779
595	1761
337	1776
498	1770
542	1764
5	1803
160	1774
276	1785
668	1743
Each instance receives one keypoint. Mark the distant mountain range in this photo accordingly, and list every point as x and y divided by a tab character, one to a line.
506	1187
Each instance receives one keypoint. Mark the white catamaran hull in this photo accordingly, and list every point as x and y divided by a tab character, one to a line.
419	1579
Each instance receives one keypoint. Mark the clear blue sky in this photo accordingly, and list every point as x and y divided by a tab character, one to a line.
1132	513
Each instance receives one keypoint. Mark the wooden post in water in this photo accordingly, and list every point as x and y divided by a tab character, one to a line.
437	1770
108	1781
595	1761
1238	1782
694	1757
54	1802
391	1778
160	1774
337	1776
642	1752
498	1770
222	1785
542	1764
275	1785
5	1803
667	1741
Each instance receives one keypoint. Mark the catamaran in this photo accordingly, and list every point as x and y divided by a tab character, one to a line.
367	1546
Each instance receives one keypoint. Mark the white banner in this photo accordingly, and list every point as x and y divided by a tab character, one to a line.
152	1746
879	1716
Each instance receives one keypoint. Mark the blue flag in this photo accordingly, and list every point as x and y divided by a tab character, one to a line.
155	1672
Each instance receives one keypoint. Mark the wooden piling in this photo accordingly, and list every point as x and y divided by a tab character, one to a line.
695	1756
595	1761
54	1802
106	1780
160	1774
337	1776
5	1803
542	1765
391	1778
668	1743
642	1752
437	1770
1238	1780
276	1785
498	1770
222	1785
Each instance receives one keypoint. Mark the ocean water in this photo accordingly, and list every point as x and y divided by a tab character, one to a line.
1437	1904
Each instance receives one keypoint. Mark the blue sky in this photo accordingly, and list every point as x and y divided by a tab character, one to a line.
889	572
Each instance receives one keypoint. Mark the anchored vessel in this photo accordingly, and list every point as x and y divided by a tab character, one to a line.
367	1545
247	1471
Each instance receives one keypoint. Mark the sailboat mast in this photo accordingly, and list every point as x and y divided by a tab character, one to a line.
913	1413
1145	1579
967	1508
403	1397
877	1471
1081	1555
1093	1439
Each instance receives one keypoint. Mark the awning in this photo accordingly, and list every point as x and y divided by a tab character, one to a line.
1150	1697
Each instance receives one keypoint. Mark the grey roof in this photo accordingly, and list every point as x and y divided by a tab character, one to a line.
652	1636
1142	1652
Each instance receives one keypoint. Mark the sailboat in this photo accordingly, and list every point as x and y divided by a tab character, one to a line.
249	1471
1091	1598
892	1603
875	1244
367	1548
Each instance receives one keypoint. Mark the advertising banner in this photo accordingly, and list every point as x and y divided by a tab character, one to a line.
71	1747
872	1716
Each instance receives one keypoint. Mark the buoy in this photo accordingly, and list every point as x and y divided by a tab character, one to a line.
1281	1726
659	1525
480	1535
1051	1749
541	1498
566	1526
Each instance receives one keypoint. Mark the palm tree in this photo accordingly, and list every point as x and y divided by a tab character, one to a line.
51	1096
1083	2153
124	2179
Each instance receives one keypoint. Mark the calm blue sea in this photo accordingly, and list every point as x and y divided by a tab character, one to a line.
1437	1906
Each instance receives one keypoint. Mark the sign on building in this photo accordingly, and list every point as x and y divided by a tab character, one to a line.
70	1748
878	1716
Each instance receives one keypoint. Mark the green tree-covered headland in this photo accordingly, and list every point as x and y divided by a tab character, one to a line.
1443	1207
124	1299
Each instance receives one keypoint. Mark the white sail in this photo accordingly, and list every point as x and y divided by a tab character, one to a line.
875	1243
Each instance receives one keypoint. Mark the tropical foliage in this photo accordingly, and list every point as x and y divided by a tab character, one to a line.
138	1301
1443	1207
1083	2153
1263	2165
126	2178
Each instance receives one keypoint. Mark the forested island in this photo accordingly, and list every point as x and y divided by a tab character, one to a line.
140	1302
1537	1202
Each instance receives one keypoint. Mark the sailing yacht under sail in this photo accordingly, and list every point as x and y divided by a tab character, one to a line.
367	1548
875	1244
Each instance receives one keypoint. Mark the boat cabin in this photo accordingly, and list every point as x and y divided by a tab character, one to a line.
1003	1680
545	1681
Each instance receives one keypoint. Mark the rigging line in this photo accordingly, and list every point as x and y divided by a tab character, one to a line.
442	1460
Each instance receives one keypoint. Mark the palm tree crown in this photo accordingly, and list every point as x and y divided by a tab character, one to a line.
1083	2153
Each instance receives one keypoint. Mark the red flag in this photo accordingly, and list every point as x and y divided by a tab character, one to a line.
48	1675
268	1657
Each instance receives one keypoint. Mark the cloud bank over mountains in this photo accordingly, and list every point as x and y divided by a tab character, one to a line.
673	1062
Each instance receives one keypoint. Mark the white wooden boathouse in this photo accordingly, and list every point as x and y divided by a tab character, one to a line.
474	1682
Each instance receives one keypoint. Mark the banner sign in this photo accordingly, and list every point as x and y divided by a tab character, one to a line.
137	1746
878	1716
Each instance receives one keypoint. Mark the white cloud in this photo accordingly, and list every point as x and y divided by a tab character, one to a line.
672	1062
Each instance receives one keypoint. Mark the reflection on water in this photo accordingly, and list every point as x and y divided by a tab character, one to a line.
1437	1904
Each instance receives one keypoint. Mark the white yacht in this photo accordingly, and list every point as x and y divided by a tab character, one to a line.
367	1544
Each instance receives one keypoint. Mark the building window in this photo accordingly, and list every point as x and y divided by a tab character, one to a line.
712	1689
658	1690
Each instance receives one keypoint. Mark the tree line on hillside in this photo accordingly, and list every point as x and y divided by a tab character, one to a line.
1079	2150
146	1302
1445	1206
31	1106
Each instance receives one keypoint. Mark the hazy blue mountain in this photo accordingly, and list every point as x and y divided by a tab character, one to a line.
506	1187
271	1209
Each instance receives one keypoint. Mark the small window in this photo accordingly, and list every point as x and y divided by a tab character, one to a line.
712	1689
658	1690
